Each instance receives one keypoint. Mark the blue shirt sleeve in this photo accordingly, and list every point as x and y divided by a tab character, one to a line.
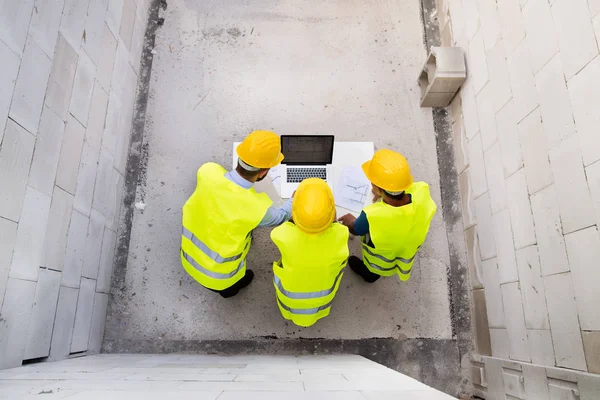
361	225
277	216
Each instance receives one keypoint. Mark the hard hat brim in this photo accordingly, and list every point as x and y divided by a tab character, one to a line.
366	167
278	161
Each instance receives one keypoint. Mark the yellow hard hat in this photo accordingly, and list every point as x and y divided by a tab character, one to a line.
313	207
261	149
389	170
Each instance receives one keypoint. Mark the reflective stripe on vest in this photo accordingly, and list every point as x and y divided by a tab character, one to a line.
304	311
382	258
375	266
212	274
216	257
307	295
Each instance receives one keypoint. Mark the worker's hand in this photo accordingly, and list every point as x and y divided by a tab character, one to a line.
347	220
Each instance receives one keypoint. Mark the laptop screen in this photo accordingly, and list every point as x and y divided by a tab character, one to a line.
307	150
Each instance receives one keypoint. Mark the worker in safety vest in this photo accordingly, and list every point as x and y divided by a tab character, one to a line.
396	225
220	215
314	252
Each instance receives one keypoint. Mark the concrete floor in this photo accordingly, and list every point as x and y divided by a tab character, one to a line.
226	67
194	377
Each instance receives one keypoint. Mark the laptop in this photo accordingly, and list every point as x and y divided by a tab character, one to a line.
306	156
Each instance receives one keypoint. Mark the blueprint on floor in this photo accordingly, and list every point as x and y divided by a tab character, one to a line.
352	189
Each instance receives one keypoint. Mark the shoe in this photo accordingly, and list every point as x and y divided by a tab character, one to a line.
360	269
242	283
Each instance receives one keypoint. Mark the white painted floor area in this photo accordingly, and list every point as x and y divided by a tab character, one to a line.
198	377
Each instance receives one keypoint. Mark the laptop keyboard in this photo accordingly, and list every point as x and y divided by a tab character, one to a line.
297	175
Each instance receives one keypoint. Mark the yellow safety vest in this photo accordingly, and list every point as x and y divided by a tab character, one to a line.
397	233
310	270
217	221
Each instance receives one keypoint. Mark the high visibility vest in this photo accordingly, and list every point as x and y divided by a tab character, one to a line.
217	221
397	233
308	275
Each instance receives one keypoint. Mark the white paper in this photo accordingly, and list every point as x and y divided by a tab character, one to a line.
352	189
275	175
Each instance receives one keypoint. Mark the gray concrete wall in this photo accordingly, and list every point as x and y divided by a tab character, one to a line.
527	150
68	76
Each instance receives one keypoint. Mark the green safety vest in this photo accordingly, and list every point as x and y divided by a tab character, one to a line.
310	270
397	233
217	221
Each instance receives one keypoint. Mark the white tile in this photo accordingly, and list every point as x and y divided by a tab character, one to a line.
27	257
542	38
477	68
500	344
503	235
62	77
583	249
594	6
15	159
74	254
16	312
540	345
461	155
535	380
575	34
593	177
554	102
520	210
28	98
84	192
137	43
562	311
103	183
73	21
9	68
14	23
511	24
63	323
532	288
522	82
498	73
493	295
115	200
548	228
128	21
56	231
106	261
458	25
121	65
93	245
106	63
508	137
98	322
82	88
584	91
70	155
47	152
111	133
321	395
495	178
94	29
113	16
466	199
8	233
535	152
567	168
485	230
487	116
469	107
128	394
490	24
97	117
515	322
596	23
45	21
42	315
83	316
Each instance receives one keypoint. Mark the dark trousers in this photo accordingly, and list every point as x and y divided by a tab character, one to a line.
359	268
231	290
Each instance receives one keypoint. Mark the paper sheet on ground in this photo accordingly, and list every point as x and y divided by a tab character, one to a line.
352	189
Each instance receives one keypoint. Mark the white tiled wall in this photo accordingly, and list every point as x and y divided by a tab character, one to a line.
528	114
62	160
